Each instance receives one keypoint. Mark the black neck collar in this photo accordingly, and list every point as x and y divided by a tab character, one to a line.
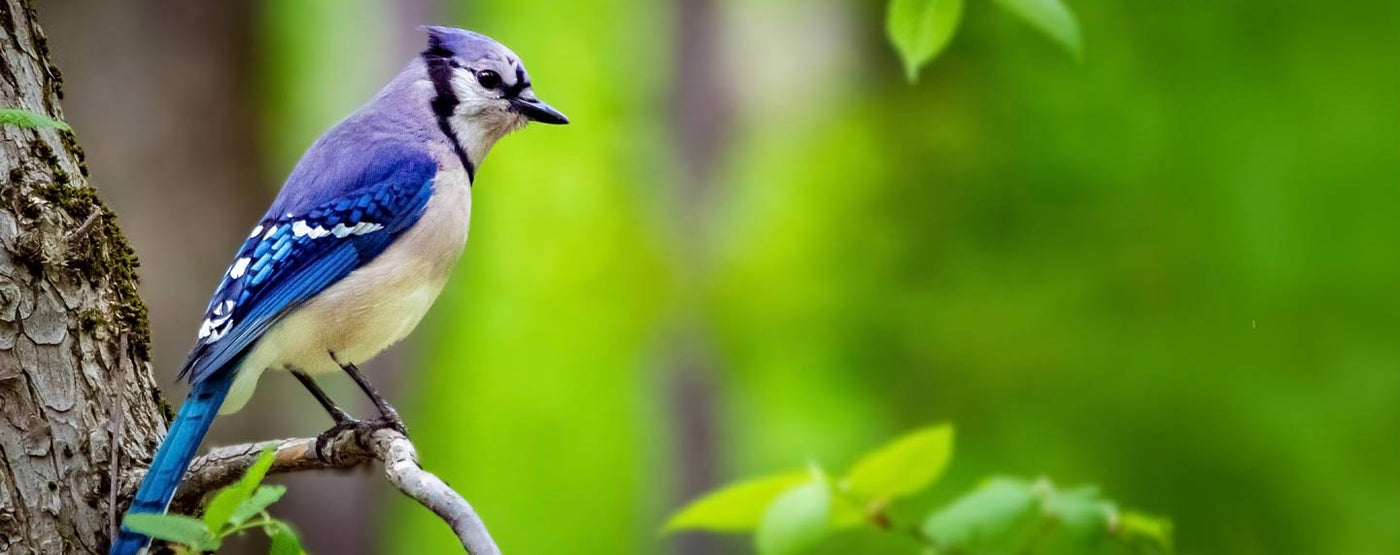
439	62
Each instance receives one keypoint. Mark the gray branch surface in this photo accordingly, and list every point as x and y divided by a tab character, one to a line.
225	465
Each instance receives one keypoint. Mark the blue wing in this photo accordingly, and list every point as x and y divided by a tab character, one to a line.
317	233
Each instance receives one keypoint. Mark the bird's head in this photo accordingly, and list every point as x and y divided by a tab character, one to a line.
481	83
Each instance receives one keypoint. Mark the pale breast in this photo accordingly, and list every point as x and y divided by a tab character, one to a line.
380	303
374	306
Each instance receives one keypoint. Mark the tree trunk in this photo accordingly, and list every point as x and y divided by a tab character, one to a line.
702	116
74	343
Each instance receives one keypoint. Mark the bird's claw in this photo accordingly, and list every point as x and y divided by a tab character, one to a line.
390	421
363	429
324	439
389	418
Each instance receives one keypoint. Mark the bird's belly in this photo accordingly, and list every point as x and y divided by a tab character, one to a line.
355	325
357	318
374	307
380	303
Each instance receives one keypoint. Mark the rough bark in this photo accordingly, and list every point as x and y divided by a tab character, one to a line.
74	366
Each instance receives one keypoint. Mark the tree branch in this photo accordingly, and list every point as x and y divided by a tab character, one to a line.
225	465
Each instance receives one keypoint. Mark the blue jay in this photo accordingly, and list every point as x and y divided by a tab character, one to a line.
355	248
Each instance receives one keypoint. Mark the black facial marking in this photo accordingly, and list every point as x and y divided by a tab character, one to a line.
440	63
520	84
435	47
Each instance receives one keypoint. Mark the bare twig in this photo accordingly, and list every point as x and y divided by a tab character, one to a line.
84	227
224	465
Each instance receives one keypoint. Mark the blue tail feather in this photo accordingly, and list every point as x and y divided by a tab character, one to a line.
174	456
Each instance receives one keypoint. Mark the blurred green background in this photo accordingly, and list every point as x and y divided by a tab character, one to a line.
1169	270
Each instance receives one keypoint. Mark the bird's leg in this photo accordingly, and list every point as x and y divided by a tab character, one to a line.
343	420
337	414
388	416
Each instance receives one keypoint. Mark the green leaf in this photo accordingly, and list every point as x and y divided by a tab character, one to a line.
256	503
284	539
903	466
797	520
31	120
258	471
1076	521
920	29
1051	17
1138	529
869	540
229	499
735	508
1081	511
1000	514
173	528
847	512
216	514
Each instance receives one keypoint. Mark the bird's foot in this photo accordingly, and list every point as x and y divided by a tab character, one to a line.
389	418
390	421
363	430
324	439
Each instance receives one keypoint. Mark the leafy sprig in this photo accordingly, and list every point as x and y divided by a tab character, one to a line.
808	511
29	120
921	29
234	509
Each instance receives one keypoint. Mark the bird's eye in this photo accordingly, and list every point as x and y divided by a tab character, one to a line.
488	79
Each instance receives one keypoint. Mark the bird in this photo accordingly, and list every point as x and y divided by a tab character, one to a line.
354	249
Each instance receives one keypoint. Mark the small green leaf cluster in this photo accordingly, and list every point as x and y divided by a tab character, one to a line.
234	509
921	29
29	120
1008	515
808	511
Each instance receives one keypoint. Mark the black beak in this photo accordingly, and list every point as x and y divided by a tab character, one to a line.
536	110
